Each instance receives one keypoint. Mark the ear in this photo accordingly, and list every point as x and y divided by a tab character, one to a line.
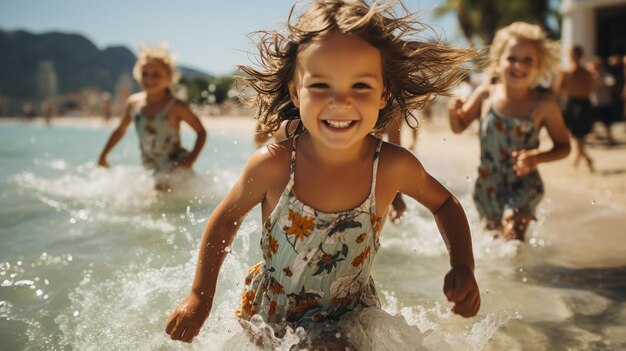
293	93
383	99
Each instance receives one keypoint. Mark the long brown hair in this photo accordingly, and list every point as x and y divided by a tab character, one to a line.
414	70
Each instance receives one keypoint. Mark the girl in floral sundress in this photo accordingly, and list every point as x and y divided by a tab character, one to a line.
512	112
341	73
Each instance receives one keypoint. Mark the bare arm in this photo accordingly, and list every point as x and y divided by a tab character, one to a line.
526	160
116	135
190	118
461	113
185	321
460	285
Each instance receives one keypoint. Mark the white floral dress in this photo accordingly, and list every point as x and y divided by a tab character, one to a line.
316	266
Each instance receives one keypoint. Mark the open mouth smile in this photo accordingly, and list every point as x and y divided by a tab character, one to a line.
338	124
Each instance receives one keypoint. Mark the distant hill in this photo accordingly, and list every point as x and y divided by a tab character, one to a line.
77	62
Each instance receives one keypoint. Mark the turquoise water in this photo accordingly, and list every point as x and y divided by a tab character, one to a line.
94	259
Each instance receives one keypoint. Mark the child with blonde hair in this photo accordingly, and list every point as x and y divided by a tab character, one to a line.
341	72
511	113
157	115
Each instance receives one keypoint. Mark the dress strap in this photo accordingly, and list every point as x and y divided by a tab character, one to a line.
163	112
375	166
292	164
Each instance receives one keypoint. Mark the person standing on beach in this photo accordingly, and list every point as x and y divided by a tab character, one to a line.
157	115
511	112
602	96
343	71
575	86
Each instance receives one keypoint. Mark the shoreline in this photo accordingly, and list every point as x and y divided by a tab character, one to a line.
606	185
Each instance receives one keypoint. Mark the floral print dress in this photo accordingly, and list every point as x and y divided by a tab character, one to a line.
499	191
316	266
159	142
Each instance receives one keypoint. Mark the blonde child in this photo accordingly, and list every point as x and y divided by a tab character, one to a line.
511	113
157	115
342	70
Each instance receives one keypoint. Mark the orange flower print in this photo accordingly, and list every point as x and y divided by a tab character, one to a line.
273	246
253	272
301	227
499	126
287	271
277	288
247	303
504	152
484	172
360	238
358	261
272	309
376	222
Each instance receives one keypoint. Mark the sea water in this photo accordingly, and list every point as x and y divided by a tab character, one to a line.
95	259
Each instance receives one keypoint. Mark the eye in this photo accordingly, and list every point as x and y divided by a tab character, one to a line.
361	86
528	61
511	59
319	86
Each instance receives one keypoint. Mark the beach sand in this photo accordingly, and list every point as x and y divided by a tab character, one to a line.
586	211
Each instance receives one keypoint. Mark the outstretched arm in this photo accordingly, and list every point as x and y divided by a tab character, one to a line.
526	161
117	134
185	321
190	118
461	113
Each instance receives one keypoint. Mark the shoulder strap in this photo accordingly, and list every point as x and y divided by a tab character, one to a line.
167	107
375	165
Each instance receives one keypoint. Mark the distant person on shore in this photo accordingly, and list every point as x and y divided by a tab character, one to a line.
107	106
511	113
157	115
575	86
325	192
602	96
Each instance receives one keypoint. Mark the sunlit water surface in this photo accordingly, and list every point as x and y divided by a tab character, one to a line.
94	259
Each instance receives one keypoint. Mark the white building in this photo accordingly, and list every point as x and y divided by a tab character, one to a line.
598	26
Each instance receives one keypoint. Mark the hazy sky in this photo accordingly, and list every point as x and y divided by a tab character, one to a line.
210	35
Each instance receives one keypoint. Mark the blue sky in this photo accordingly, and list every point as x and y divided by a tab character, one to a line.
210	35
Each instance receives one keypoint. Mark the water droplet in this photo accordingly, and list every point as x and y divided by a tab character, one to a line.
76	313
524	280
593	202
72	220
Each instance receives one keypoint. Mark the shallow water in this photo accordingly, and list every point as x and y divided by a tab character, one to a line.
94	259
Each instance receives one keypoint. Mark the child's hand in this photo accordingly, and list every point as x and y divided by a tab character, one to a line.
185	321
102	162
185	162
455	107
398	207
525	161
460	287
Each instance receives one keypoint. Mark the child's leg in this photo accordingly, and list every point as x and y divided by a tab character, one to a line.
515	226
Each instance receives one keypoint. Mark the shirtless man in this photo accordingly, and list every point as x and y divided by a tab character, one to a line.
576	85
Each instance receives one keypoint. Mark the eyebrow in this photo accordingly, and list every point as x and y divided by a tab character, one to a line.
363	75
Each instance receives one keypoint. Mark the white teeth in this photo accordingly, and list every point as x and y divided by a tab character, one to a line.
339	124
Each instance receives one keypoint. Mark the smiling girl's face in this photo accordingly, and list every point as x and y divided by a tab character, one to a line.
338	87
519	63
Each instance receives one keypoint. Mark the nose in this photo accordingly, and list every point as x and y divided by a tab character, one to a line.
341	101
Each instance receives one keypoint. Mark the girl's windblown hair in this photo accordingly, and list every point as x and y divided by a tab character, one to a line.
414	70
158	53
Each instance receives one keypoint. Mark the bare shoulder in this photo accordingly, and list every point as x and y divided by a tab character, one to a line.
396	161
270	161
547	102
